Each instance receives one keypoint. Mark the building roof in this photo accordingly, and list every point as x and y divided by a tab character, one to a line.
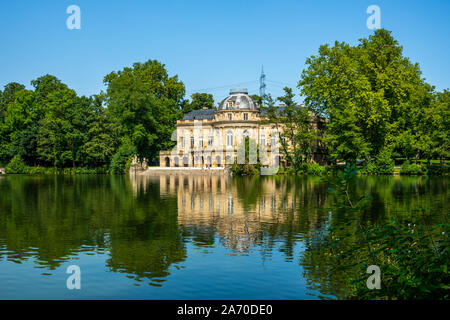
264	112
238	100
199	114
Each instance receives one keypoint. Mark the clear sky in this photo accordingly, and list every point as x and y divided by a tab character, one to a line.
211	45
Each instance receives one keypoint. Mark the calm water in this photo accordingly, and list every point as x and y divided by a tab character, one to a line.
189	237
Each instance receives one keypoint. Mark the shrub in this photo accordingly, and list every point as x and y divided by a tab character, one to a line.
289	171
412	254
315	169
408	168
42	170
383	164
121	161
16	165
370	168
67	171
311	169
245	169
436	169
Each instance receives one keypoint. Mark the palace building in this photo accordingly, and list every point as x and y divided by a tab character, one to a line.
211	137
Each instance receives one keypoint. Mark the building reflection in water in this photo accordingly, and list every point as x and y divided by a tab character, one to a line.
238	211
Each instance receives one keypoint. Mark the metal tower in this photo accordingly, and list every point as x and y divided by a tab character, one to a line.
262	84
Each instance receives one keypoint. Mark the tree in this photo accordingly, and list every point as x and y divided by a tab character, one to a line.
372	84
103	135
62	130
122	158
8	93
198	101
294	124
259	100
247	160
17	128
147	103
437	125
345	139
7	96
45	85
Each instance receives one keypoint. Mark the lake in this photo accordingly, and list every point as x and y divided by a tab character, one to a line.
185	237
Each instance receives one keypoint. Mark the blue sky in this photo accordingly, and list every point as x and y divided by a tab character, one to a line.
210	45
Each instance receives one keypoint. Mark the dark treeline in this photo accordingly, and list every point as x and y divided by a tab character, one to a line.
51	126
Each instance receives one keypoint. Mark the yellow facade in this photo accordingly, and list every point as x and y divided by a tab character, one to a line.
211	137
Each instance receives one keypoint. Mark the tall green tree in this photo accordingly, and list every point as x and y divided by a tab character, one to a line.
259	100
103	135
372	84
62	132
18	130
7	96
8	93
293	122
434	127
198	101
146	101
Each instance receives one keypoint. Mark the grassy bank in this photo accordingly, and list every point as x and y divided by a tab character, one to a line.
433	168
69	171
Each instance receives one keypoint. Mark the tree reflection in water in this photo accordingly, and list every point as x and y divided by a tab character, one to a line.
144	223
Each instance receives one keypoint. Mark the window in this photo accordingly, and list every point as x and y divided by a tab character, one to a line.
210	141
229	139
192	142
200	142
246	134
262	140
182	142
272	140
245	116
229	116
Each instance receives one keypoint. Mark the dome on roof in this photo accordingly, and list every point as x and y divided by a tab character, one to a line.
238	99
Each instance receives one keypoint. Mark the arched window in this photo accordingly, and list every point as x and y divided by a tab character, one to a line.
229	138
